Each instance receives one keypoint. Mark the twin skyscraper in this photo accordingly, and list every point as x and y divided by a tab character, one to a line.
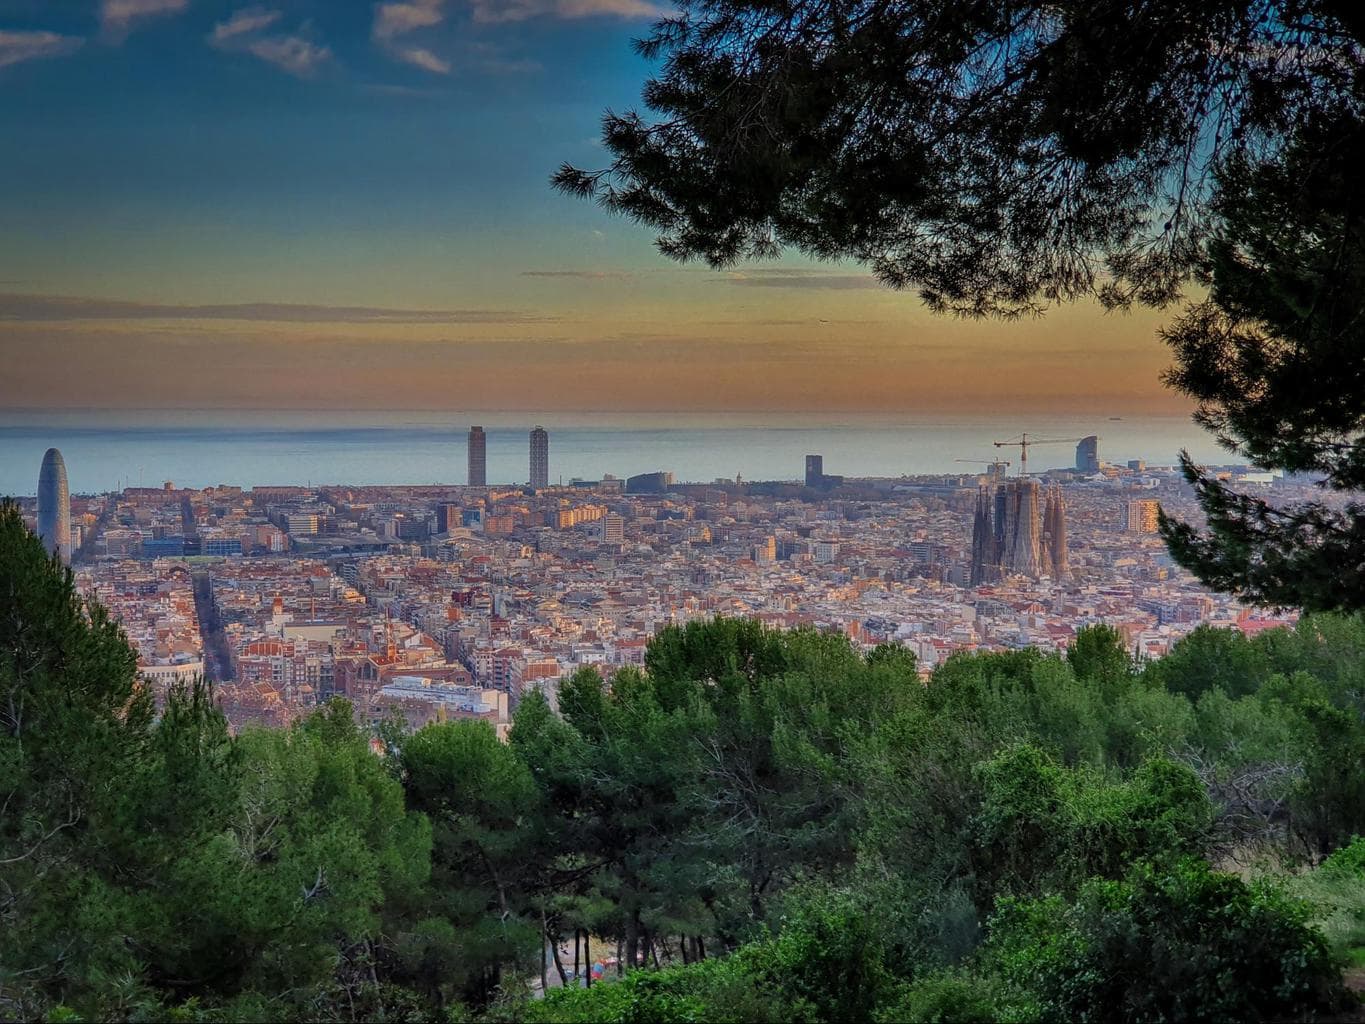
478	458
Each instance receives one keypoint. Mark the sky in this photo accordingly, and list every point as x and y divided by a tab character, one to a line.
318	204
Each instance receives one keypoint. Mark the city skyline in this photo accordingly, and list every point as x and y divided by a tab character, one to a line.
359	194
198	451
303	576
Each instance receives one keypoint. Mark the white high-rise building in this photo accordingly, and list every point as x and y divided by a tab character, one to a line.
613	529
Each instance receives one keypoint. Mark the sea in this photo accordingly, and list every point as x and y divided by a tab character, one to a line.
108	450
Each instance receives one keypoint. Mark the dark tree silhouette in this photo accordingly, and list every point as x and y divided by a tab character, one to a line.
1000	156
1276	359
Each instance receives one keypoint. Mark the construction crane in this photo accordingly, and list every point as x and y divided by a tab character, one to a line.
1024	442
985	462
995	464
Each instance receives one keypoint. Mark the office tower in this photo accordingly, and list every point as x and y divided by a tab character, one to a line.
765	551
815	470
54	505
613	529
478	458
540	458
1056	556
448	517
1088	455
1142	515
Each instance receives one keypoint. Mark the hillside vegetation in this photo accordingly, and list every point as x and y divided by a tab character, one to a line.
772	826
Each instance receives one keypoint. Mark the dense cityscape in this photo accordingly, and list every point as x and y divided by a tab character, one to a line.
782	675
437	602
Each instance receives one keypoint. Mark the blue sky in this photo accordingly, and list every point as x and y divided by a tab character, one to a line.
303	126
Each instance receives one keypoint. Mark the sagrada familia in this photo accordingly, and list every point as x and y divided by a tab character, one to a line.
1008	538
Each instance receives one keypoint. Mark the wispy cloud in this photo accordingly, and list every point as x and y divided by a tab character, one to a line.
419	57
814	323
391	89
583	275
807	279
293	53
16	47
39	308
117	16
395	20
519	66
498	11
244	22
493	59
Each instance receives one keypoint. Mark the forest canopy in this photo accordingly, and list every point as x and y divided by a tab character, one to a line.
760	825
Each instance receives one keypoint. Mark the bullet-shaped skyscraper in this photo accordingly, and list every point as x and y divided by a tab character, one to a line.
54	505
1088	455
540	458
478	458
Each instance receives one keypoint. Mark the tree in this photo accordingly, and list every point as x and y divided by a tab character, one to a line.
827	964
292	898
75	725
479	797
993	155
1040	827
774	710
1098	655
1177	943
998	157
1275	357
1209	658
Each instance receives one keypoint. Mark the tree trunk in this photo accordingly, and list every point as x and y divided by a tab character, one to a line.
544	938
653	952
576	937
621	956
758	882
587	958
559	966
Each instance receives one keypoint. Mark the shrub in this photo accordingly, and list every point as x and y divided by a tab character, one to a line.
1183	943
956	998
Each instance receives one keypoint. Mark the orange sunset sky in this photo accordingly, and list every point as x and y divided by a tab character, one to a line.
322	205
